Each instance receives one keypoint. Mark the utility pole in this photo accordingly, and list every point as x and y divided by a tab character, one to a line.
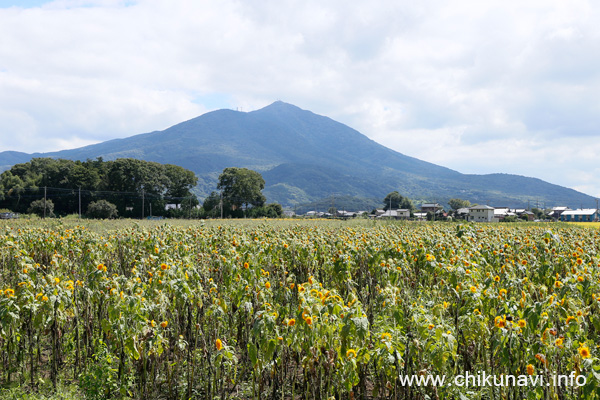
190	214
333	205
44	202
221	204
79	202
142	203
150	209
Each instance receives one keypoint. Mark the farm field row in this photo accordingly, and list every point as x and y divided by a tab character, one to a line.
310	309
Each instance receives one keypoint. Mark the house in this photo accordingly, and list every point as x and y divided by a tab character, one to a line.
462	213
481	214
400	213
529	214
583	215
502	212
289	213
345	214
431	207
557	211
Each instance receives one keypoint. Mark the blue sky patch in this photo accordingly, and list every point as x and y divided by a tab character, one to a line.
22	3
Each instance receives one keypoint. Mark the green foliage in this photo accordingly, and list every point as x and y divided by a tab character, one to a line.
37	207
100	381
272	210
455	204
539	213
241	187
70	392
102	209
396	200
212	205
126	178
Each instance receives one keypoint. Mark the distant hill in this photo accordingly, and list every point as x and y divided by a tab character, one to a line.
306	157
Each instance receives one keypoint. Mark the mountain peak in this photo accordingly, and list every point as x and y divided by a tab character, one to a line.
305	157
279	106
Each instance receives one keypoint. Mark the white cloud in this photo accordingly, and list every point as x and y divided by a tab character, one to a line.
488	86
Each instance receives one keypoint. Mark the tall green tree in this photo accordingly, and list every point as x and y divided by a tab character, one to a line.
455	204
396	201
242	187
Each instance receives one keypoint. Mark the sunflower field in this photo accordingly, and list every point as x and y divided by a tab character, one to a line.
300	310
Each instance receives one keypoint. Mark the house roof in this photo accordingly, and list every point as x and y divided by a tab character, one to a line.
484	207
430	205
585	211
389	213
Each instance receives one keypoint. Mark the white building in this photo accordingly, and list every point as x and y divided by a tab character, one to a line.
481	214
400	213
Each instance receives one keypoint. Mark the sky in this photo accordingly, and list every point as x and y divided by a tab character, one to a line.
477	86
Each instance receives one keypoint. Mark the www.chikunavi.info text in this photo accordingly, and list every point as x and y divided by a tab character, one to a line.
482	378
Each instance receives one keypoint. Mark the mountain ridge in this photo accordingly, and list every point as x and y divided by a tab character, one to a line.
305	157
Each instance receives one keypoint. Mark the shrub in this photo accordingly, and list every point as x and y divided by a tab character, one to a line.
37	207
102	209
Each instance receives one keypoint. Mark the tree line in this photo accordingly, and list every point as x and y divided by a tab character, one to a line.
129	188
133	186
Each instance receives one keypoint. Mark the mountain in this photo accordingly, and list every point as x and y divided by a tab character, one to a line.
305	157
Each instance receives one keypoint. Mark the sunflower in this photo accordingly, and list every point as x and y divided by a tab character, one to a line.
500	322
584	351
219	344
530	369
351	353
